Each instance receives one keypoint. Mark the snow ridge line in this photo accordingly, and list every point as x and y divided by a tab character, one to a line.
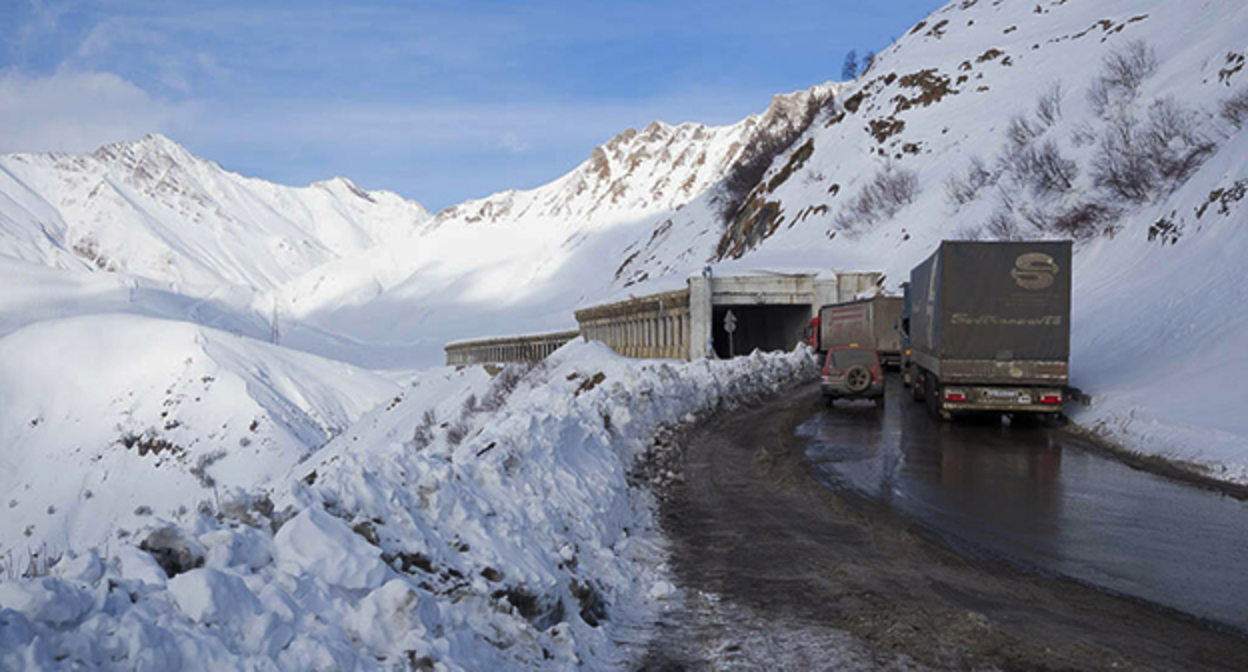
473	522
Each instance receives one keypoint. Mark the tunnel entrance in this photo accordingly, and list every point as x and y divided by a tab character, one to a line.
766	328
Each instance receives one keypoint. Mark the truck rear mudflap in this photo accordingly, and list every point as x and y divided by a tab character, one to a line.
1002	399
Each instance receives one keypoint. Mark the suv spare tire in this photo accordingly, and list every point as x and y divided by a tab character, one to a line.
857	379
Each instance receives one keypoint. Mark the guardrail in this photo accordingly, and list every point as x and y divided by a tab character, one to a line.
533	348
654	326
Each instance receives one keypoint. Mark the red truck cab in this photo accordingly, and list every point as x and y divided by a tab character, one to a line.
812	333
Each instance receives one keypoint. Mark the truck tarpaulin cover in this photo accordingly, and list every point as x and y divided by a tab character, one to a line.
993	301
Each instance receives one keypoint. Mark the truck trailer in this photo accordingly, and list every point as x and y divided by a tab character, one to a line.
989	327
873	322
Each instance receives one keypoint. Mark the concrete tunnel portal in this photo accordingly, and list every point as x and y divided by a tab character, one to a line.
772	311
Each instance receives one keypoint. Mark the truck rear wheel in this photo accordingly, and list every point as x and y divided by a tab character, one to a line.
934	405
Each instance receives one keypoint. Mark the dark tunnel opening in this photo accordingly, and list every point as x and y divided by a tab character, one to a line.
766	328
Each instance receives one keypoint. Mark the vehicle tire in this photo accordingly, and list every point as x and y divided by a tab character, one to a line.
917	391
857	379
932	387
829	400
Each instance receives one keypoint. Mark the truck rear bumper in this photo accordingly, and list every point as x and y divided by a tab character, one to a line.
955	407
963	398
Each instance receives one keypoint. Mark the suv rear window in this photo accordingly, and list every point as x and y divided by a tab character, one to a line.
843	359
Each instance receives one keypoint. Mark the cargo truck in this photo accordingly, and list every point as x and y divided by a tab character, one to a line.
871	322
907	369
989	327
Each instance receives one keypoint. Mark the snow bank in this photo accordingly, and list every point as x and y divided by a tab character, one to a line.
473	522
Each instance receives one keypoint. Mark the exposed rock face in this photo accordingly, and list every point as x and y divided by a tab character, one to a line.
661	167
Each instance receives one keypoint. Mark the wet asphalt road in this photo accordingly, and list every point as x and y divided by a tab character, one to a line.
1042	498
806	539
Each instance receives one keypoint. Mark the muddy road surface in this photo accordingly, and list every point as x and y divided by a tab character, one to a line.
802	539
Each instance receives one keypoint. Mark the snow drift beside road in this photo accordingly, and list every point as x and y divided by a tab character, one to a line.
472	523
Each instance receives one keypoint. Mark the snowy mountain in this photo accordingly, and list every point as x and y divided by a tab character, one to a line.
152	210
172	333
1117	123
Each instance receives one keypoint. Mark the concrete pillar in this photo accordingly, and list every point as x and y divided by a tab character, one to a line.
700	318
825	294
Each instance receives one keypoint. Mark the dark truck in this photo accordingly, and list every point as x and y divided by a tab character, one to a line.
871	323
989	327
907	367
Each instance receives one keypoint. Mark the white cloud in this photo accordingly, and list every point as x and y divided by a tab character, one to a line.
512	142
72	111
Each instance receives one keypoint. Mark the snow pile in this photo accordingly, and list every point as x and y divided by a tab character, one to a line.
473	522
106	421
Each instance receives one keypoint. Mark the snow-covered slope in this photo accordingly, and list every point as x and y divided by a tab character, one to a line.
151	209
108	420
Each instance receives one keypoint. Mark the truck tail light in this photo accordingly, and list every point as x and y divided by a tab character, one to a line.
1051	399
955	396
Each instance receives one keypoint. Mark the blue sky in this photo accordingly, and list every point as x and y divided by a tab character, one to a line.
438	101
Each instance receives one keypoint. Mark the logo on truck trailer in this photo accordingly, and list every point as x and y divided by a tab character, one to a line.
1035	271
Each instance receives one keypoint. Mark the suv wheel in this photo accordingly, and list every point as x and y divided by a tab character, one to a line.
857	379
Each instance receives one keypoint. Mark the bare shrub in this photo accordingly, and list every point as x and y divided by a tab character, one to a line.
1049	105
1174	141
1039	217
1235	109
1100	97
968	232
457	432
39	562
1127	68
884	196
422	436
1050	172
1021	132
1123	72
1003	226
962	188
1041	169
1085	220
1119	166
1137	160
1084	135
503	385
